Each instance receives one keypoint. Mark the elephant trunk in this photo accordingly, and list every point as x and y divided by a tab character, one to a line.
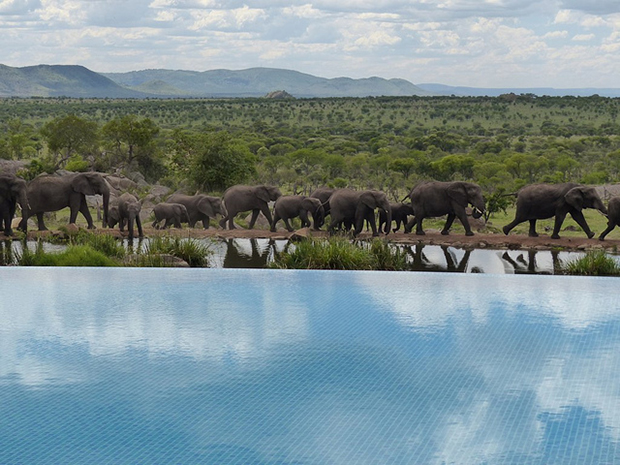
106	204
25	206
388	219
130	222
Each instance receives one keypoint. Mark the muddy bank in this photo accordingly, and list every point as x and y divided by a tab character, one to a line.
478	241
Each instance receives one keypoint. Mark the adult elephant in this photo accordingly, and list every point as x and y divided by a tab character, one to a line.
541	201
400	212
353	207
173	213
53	193
129	213
323	194
436	198
199	207
239	199
13	190
293	206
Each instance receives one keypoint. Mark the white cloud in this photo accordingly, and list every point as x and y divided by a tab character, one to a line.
583	37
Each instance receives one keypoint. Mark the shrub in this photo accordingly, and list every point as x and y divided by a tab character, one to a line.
596	263
339	253
194	252
75	255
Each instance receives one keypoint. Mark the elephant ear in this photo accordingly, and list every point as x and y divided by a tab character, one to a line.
458	193
574	198
81	184
263	194
368	199
311	204
205	207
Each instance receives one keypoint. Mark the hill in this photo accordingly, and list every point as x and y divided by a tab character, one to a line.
59	81
441	89
256	82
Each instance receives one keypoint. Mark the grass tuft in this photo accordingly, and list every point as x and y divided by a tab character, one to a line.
194	252
339	253
596	263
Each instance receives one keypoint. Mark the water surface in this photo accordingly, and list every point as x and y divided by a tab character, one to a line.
159	366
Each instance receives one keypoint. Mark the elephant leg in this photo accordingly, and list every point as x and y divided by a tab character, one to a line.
303	216
289	228
446	229
418	226
559	219
276	218
510	226
265	210
533	232
462	215
409	225
139	225
206	222
155	224
177	222
223	222
581	221
6	217
42	226
610	226
85	212
255	214
370	218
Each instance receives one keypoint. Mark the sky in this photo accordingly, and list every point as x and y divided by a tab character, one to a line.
477	43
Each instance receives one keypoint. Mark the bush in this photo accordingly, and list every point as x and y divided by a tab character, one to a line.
596	263
341	254
192	251
76	255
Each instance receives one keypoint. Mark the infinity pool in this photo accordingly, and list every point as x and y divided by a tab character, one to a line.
154	366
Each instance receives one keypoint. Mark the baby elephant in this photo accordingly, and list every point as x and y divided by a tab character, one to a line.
127	211
613	216
400	211
173	213
292	206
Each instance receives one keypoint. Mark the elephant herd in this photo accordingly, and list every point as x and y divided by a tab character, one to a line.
347	208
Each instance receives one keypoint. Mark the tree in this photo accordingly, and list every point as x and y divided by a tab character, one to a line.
218	161
69	135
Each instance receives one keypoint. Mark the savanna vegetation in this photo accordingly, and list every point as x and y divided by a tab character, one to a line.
502	143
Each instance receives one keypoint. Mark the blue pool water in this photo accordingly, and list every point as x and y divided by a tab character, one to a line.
154	366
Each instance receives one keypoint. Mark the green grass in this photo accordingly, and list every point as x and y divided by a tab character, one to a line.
75	255
596	263
194	252
339	253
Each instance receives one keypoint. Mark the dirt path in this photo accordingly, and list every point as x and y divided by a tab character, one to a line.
494	241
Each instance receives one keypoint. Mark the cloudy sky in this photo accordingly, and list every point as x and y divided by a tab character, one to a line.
480	43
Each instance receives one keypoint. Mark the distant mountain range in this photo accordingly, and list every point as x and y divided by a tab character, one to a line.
78	81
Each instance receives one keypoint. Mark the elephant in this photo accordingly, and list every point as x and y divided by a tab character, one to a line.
353	207
613	218
541	201
129	212
173	213
243	198
400	211
323	194
52	193
199	207
13	189
292	206
438	198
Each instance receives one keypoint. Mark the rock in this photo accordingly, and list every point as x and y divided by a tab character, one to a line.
12	166
261	221
160	191
120	183
300	234
169	261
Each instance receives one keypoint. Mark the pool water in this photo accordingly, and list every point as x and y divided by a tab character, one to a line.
157	366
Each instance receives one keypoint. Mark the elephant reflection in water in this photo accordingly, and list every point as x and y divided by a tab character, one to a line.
422	263
522	266
7	257
258	257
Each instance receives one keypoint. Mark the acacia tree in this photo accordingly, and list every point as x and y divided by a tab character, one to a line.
217	161
68	136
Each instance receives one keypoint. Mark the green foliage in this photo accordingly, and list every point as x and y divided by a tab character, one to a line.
339	253
69	135
194	252
104	243
596	263
214	161
36	167
77	163
499	201
74	255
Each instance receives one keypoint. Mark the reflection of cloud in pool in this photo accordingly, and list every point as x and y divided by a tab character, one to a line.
244	322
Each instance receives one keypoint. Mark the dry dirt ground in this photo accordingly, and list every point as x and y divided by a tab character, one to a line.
432	237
